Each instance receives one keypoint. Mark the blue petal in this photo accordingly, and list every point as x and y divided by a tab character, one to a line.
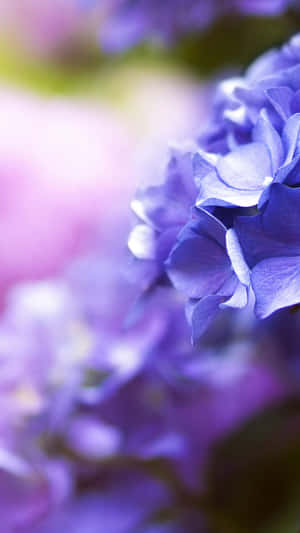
214	192
265	133
236	256
274	233
142	242
154	207
202	313
295	104
276	284
246	168
239	298
198	266
282	215
202	165
207	224
281	98
290	137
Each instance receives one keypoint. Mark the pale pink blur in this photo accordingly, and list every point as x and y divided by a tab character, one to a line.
69	168
61	162
46	27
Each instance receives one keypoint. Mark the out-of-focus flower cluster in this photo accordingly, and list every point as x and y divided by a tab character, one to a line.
128	22
103	402
108	413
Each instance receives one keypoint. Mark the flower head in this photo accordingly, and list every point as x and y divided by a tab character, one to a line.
198	227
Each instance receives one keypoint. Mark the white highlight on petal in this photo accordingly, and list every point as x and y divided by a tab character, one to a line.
14	464
267	181
236	256
141	242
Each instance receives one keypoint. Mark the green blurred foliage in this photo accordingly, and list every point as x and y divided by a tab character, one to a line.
229	45
234	42
49	76
253	477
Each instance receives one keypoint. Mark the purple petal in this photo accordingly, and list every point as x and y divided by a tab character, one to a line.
274	233
202	313
290	137
282	215
93	439
153	207
202	165
207	224
198	266
236	256
246	168
142	242
281	98
276	284
214	192
295	104
239	298
265	133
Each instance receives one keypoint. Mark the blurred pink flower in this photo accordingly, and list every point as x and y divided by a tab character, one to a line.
68	168
61	162
46	27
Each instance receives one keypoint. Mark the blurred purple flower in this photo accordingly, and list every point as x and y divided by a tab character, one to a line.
122	506
29	492
129	22
76	381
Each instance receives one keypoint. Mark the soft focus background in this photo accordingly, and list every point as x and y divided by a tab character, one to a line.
109	422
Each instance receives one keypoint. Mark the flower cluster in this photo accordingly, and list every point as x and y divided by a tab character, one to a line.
104	402
110	419
130	22
225	219
69	345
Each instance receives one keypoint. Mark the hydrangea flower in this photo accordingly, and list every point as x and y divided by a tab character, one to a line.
199	266
129	22
164	241
161	210
139	409
197	229
107	400
269	88
270	243
162	431
246	173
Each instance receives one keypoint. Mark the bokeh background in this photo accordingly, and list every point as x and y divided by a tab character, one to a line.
93	437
